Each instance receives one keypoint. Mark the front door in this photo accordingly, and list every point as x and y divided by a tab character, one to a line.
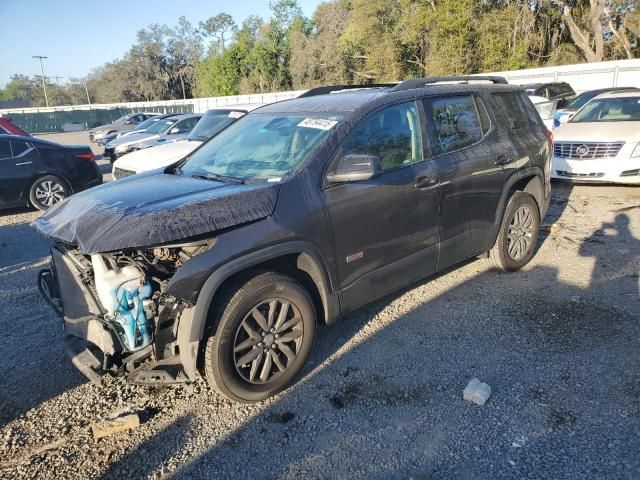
385	230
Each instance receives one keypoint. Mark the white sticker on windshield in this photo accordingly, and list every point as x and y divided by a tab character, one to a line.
319	123
236	114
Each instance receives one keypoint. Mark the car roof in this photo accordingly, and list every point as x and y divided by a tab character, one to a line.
247	107
347	101
541	84
182	116
4	136
622	94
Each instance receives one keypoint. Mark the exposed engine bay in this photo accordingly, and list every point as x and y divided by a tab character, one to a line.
116	313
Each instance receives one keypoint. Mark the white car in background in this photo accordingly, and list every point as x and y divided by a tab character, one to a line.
546	109
601	142
212	122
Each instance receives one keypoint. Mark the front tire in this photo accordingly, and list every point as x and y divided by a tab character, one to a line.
265	328
518	234
47	191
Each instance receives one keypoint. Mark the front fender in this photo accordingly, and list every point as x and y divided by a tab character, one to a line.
309	260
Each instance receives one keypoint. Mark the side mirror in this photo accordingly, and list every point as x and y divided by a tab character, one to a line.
354	168
174	130
566	118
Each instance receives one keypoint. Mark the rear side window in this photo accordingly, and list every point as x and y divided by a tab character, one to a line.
3	130
5	149
392	135
19	147
186	125
512	109
456	122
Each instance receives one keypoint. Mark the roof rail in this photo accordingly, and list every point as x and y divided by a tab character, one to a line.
337	88
421	82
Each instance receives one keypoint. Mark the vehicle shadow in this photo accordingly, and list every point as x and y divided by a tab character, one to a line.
34	369
156	450
386	401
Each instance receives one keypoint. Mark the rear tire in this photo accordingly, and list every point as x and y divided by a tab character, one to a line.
518	234
47	191
264	333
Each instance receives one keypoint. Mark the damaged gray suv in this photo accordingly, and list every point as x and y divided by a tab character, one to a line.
223	264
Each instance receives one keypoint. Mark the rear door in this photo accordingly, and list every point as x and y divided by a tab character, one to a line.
463	141
526	131
17	163
385	229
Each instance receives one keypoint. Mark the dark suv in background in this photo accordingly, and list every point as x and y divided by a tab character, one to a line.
562	92
298	213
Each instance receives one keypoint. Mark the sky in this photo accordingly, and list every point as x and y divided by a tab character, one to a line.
78	36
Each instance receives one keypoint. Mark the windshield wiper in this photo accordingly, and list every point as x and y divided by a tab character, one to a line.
220	178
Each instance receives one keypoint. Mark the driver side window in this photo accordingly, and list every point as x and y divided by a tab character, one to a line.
393	135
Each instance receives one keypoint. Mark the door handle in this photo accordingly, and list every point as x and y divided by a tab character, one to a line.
23	163
425	182
502	160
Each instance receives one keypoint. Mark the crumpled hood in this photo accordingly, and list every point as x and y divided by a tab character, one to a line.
151	209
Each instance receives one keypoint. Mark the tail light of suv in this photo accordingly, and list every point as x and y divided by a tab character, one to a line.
86	156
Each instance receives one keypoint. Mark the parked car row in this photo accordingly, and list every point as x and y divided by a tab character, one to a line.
164	155
123	124
144	141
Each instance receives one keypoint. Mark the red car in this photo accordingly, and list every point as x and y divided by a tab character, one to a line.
6	126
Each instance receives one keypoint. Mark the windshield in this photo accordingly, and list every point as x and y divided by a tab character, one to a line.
581	99
122	119
146	124
626	109
161	125
212	123
260	147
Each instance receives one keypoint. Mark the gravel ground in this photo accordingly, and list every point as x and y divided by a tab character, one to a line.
382	394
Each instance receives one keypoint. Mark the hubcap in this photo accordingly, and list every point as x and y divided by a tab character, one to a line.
520	235
49	193
268	341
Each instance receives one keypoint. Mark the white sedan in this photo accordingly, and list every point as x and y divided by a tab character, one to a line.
209	125
601	142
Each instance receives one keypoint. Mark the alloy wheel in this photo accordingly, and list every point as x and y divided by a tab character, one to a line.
268	341
520	233
49	192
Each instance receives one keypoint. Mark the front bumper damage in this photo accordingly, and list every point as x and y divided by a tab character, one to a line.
93	345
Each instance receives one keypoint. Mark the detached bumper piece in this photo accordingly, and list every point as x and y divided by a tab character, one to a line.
84	359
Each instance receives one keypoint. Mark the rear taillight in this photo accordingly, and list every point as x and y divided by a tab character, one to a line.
86	156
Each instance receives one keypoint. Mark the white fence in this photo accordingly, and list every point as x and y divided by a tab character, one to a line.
200	105
586	76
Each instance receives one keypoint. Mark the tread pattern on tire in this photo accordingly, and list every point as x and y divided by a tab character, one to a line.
495	258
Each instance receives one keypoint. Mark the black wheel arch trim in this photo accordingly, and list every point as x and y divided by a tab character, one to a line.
309	260
534	187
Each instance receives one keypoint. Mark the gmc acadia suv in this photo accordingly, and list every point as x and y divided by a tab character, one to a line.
300	212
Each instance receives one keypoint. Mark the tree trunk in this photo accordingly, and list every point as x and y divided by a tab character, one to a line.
184	95
582	39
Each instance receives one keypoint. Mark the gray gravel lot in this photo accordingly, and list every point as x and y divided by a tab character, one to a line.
382	395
